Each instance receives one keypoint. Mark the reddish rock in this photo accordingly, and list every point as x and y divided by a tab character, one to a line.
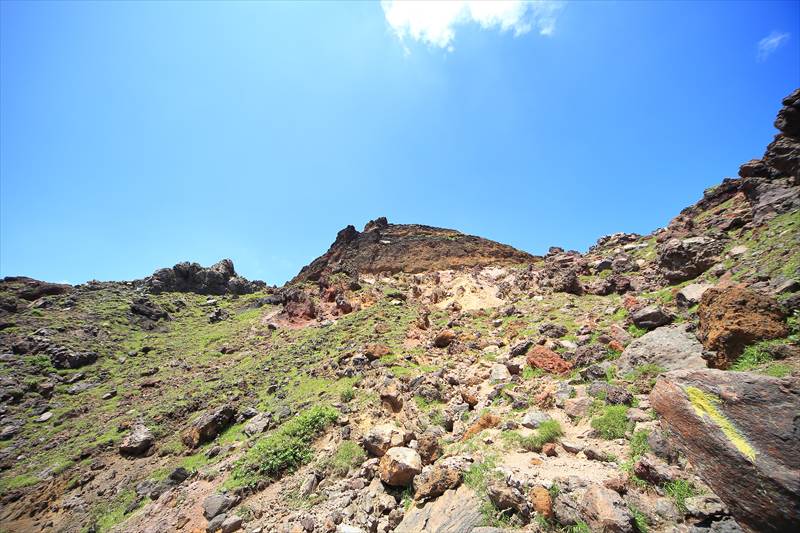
444	338
435	480
739	431
486	421
732	318
547	360
208	426
541	502
604	510
549	449
376	351
399	465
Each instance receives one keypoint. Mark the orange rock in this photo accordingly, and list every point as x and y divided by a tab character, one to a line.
541	501
547	360
549	449
486	421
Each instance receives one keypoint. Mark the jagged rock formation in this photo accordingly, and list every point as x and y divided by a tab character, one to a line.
221	278
410	248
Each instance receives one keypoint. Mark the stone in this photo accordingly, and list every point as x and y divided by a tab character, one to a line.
680	260
738	430
668	347
258	424
486	421
499	373
376	351
231	523
208	426
391	396
577	407
604	510
505	497
435	480
444	338
690	295
541	502
455	511
553	330
651	317
216	504
215	524
429	447
734	317
380	438
137	443
652	470
399	465
613	394
572	447
148	309
533	419
705	506
547	360
589	354
549	449
521	348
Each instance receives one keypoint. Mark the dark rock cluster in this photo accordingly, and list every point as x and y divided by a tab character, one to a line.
221	278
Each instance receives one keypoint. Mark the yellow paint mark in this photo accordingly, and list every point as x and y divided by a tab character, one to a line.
707	404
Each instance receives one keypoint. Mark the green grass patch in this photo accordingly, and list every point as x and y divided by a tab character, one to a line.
612	423
679	490
285	449
348	455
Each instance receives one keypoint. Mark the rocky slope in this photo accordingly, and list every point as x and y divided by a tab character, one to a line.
417	379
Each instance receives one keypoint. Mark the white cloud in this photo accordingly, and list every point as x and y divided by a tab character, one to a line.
770	43
433	22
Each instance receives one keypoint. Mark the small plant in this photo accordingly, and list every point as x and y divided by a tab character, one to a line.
347	394
679	490
640	523
548	431
530	373
579	527
613	422
636	331
752	357
778	370
639	445
347	455
477	474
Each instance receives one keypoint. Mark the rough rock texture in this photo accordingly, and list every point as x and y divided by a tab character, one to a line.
380	438
604	510
782	157
137	443
220	278
732	318
670	347
384	247
683	259
435	480
740	431
399	465
651	317
208	426
547	360
455	511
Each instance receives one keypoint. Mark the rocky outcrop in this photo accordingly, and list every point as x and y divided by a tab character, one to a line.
782	157
669	347
137	443
739	430
221	278
732	318
684	259
384	247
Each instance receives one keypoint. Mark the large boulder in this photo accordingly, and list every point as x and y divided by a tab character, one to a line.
740	431
604	510
208	426
435	480
137	443
670	347
399	465
733	317
651	317
455	511
684	259
380	438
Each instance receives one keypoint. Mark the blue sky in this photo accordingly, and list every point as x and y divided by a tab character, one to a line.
137	135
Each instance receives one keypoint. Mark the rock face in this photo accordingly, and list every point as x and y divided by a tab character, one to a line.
384	247
220	278
399	465
670	347
455	511
732	318
782	157
739	430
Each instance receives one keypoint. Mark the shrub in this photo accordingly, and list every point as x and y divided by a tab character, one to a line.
613	423
679	490
285	449
347	394
347	455
548	431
